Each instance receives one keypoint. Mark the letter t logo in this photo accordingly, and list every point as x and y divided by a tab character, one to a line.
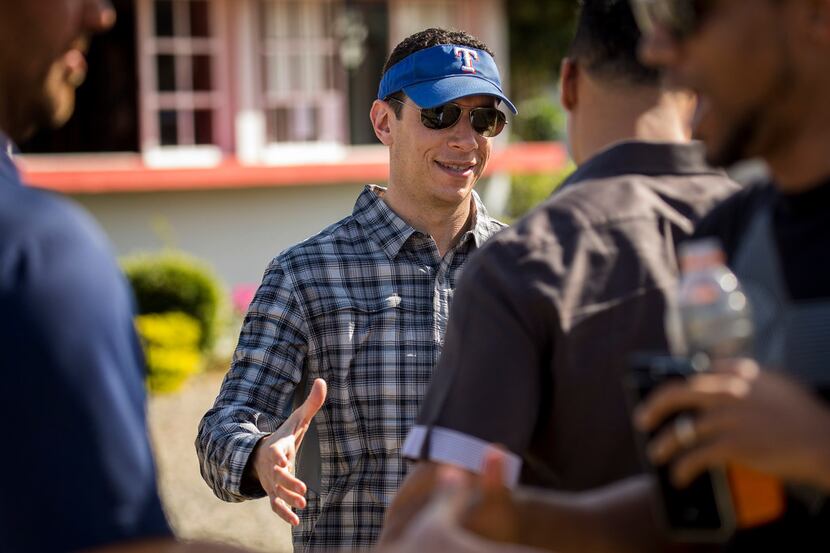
468	56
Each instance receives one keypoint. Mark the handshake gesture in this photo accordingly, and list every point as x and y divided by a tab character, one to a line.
274	457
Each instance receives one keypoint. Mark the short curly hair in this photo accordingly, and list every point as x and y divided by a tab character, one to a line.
427	39
606	43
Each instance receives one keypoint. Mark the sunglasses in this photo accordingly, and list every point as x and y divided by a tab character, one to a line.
488	122
680	18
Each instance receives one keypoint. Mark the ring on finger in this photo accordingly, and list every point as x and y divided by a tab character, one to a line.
684	431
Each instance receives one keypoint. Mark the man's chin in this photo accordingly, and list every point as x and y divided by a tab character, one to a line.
58	101
63	108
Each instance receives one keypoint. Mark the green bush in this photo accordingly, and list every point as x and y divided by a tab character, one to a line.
173	281
540	119
528	191
171	348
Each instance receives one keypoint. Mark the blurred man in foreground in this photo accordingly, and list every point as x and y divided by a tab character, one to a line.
77	469
548	310
762	69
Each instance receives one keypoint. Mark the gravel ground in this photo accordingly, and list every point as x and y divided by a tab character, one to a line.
191	507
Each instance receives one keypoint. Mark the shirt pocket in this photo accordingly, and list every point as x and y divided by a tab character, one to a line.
379	368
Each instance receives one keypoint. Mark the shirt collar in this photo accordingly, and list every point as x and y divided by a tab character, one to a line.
644	158
8	170
391	232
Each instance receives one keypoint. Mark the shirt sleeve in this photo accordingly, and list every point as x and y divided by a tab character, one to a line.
76	464
257	393
487	384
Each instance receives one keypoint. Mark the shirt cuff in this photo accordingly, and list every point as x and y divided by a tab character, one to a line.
455	448
241	449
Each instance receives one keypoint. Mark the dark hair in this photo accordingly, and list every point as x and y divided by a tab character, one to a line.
606	43
427	39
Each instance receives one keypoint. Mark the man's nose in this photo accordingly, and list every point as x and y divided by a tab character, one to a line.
99	16
462	134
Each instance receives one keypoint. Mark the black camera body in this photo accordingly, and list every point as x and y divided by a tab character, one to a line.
703	512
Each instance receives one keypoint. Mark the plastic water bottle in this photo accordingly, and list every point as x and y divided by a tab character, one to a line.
713	320
713	313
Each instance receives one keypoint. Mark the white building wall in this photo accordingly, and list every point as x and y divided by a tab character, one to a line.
236	231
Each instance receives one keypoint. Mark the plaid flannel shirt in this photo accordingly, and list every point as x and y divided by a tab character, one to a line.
363	305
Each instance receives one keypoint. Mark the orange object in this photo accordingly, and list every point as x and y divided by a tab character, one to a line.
758	498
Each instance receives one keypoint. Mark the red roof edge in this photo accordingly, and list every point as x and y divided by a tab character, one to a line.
112	173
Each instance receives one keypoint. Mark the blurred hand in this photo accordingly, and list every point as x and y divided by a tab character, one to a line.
742	415
438	527
492	513
275	454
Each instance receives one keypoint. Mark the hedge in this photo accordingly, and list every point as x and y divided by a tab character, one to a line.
173	281
171	348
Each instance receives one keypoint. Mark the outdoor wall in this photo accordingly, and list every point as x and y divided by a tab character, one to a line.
237	231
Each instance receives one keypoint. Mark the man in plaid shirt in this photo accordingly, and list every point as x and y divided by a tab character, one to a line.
360	310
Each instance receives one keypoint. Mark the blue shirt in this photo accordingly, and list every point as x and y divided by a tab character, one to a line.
76	466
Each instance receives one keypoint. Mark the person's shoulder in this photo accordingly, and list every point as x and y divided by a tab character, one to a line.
535	239
554	221
741	203
336	239
628	196
600	209
44	225
314	260
729	219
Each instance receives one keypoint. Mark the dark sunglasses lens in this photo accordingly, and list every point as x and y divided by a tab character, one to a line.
440	117
487	121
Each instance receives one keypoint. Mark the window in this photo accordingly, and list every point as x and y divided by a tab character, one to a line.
184	91
302	79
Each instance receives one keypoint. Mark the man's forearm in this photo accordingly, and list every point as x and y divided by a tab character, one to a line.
618	517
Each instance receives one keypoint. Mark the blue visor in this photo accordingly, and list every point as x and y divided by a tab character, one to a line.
442	74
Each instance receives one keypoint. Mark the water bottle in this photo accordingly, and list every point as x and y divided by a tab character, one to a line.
713	313
713	320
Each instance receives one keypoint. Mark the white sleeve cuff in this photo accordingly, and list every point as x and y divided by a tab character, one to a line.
455	448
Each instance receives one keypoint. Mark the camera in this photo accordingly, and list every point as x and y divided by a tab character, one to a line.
703	511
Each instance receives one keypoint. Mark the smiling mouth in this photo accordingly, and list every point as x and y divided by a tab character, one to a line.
459	169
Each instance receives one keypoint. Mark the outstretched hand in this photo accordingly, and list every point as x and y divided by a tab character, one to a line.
275	454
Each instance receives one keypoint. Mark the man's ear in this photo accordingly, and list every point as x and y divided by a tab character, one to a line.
569	84
381	116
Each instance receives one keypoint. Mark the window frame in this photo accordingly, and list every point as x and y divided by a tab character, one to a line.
183	99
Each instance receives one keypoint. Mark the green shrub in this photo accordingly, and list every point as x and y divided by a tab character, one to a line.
171	348
528	191
173	281
540	119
